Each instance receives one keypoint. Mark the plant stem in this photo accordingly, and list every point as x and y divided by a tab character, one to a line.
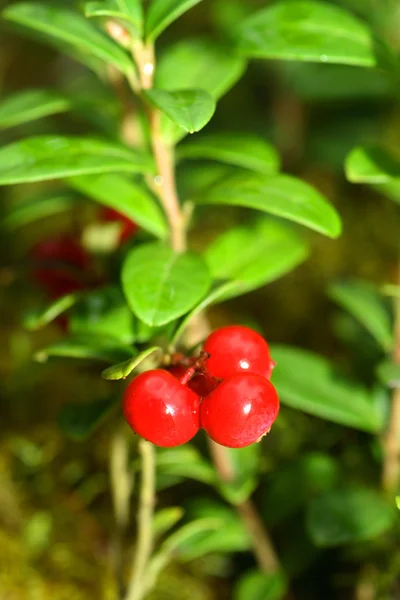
121	489
143	548
391	465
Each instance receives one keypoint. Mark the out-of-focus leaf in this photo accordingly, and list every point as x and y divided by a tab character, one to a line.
53	156
128	197
189	109
307	31
162	13
43	316
390	289
185	461
122	370
279	195
86	347
128	11
389	373
191	62
103	312
38	207
364	302
255	254
260	586
62	24
162	285
245	464
293	486
308	382
30	105
165	519
371	165
347	516
79	420
240	149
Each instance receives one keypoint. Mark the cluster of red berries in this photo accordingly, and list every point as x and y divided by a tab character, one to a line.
225	391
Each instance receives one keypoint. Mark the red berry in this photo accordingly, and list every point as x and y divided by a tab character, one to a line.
240	410
237	349
160	409
128	227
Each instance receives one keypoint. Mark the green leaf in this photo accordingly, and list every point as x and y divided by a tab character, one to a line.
294	486
255	254
128	197
190	109
38	207
162	285
245	464
103	312
280	195
185	462
68	26
43	316
260	586
29	105
308	31
389	373
122	370
364	302
129	11
86	347
183	65
371	165
398	502
240	149
165	519
51	157
347	516
162	13
79	420
218	294
389	289
308	382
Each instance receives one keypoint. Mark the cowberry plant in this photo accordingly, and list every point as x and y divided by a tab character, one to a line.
179	220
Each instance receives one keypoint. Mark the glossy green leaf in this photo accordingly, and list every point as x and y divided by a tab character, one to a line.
364	302
308	382
43	316
122	370
347	516
245	464
280	195
240	149
255	254
217	294
29	105
260	586
79	420
128	197
65	25
38	207
162	285
190	109
191	62
162	13
185	462
308	31
166	518
371	165
103	312
87	348
389	373
128	11
51	157
295	485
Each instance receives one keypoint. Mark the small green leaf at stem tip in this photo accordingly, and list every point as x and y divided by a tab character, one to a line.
190	109
41	317
122	370
69	27
306	31
162	13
